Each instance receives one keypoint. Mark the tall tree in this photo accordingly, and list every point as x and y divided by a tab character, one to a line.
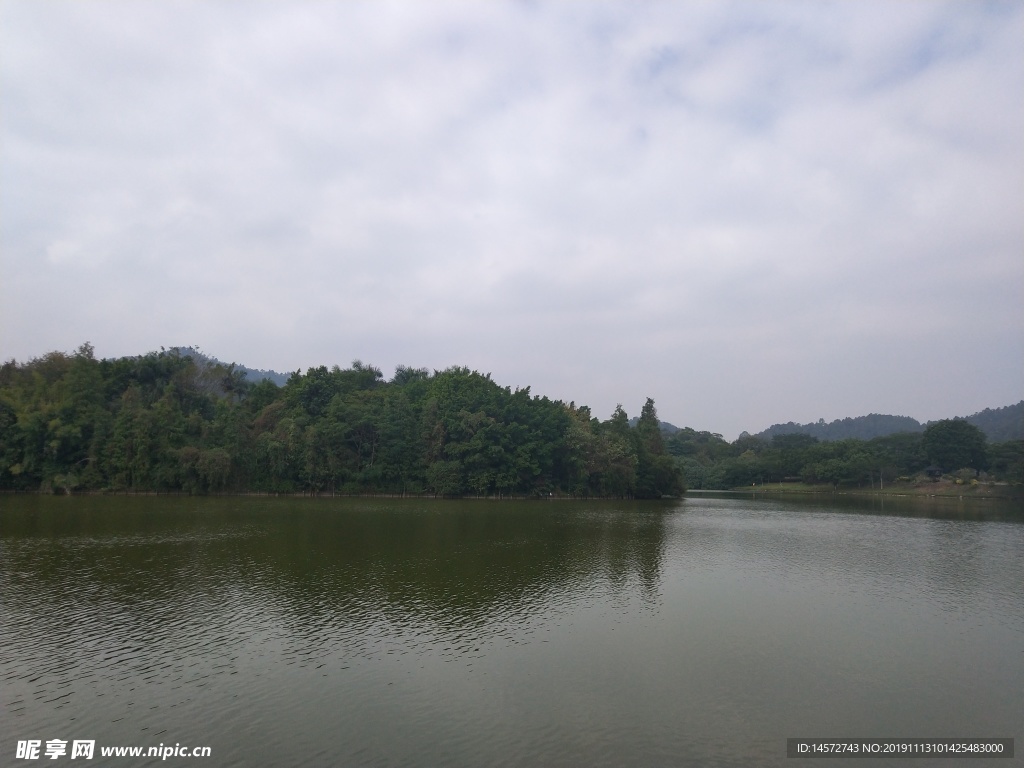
955	444
657	473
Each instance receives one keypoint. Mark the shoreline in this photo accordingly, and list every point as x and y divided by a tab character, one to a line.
331	495
1013	494
942	491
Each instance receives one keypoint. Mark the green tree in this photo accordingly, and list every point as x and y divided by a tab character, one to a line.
954	444
1007	460
445	478
129	452
657	474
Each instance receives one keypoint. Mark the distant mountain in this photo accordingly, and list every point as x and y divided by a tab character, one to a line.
252	375
998	424
860	428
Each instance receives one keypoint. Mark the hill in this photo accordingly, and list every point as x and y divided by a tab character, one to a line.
252	375
666	429
1001	424
860	427
181	421
998	424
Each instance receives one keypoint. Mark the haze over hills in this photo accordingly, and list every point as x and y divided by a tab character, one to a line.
998	424
252	375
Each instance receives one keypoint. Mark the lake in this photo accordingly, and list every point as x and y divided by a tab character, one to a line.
388	632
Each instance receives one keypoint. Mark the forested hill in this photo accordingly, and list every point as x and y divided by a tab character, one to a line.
252	375
1001	424
168	421
861	428
666	428
998	424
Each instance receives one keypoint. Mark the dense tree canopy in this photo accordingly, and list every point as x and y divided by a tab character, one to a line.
709	462
955	444
168	422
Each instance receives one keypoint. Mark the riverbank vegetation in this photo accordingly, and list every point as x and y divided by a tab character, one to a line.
950	451
166	422
174	422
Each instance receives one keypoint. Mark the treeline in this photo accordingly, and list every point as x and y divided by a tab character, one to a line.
998	424
859	427
167	422
950	446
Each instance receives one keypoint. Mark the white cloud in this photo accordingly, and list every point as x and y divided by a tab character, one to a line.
730	206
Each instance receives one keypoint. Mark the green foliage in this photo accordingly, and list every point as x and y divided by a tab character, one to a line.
168	422
955	443
1001	424
180	421
859	428
998	424
711	463
657	474
1006	460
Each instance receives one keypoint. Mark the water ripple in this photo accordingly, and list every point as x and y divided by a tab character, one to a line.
382	635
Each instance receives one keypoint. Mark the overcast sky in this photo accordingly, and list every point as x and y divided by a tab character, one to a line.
752	212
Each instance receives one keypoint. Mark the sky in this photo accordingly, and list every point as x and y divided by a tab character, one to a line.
752	212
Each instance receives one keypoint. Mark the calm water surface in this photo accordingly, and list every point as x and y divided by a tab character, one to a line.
349	632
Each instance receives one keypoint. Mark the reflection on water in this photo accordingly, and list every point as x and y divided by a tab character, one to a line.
381	632
977	509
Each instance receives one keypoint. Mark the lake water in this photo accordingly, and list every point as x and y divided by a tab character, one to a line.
362	632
